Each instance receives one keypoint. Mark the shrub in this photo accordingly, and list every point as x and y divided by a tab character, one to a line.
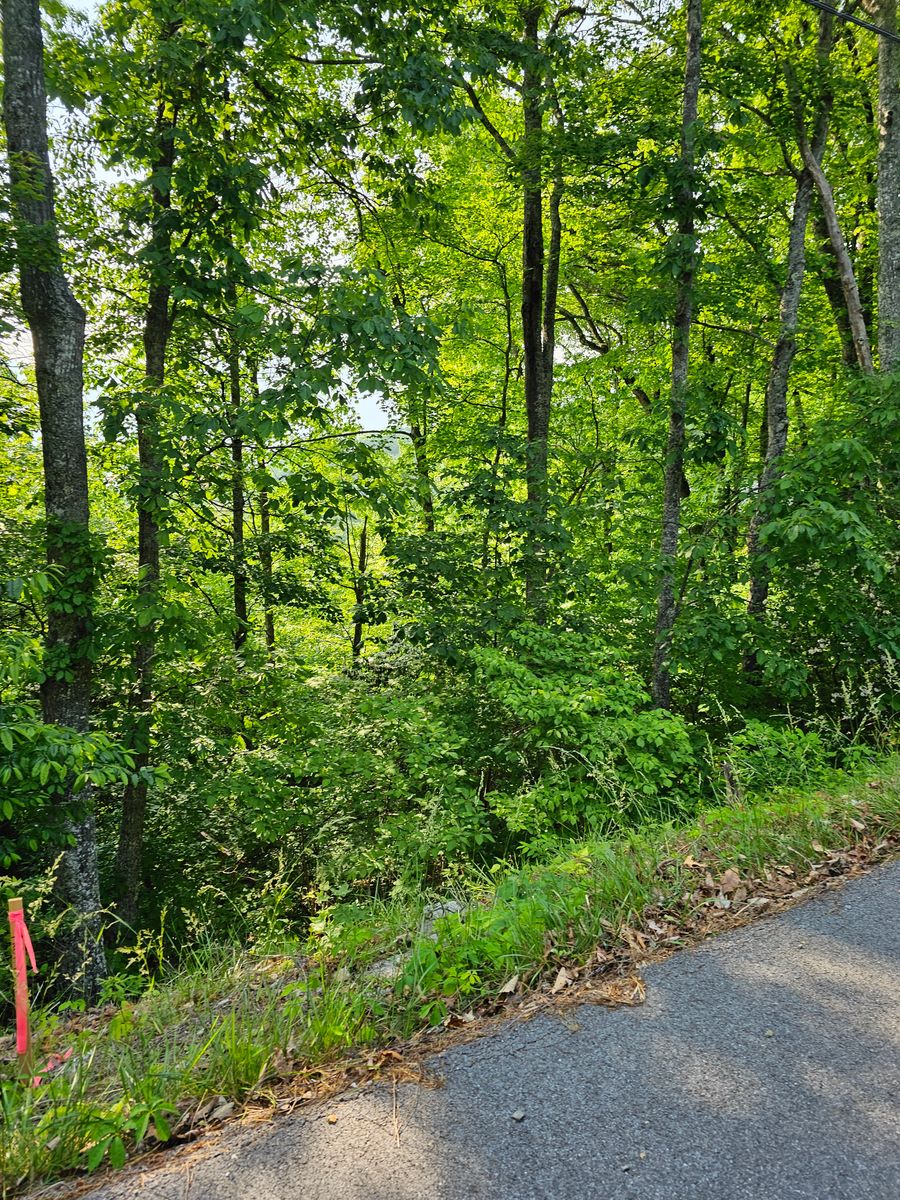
766	757
578	744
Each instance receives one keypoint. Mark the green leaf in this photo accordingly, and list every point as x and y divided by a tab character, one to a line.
117	1153
97	1153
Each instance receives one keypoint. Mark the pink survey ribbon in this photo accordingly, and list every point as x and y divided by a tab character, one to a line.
21	941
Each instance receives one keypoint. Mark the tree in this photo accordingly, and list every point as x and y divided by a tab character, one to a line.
681	334
888	186
57	325
158	319
186	209
776	397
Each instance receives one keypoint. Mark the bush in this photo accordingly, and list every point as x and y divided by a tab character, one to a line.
578	745
767	757
405	771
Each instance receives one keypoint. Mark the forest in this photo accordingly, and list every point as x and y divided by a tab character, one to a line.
434	438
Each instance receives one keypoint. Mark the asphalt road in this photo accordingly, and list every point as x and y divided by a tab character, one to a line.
763	1066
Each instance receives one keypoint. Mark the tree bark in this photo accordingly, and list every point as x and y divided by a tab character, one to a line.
846	273
539	295
831	282
157	331
265	540
238	556
537	378
57	324
681	332
359	586
888	191
776	408
508	355
265	562
734	486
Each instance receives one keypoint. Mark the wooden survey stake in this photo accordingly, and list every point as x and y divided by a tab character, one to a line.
22	953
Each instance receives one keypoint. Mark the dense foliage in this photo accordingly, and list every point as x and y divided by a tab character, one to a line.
382	312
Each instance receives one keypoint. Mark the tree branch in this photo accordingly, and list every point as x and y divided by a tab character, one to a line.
487	122
572	10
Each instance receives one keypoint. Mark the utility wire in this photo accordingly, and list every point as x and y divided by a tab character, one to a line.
845	16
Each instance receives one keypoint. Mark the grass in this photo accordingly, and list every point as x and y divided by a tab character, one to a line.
229	1024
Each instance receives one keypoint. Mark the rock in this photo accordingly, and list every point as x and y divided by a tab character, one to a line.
434	912
386	968
441	908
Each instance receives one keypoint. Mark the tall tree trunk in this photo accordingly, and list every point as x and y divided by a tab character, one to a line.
734	486
888	191
359	586
681	335
538	296
57	325
156	333
551	293
238	556
508	355
846	273
265	539
776	405
802	427
265	562
534	363
831	282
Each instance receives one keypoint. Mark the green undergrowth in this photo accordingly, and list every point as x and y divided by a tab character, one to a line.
231	1024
